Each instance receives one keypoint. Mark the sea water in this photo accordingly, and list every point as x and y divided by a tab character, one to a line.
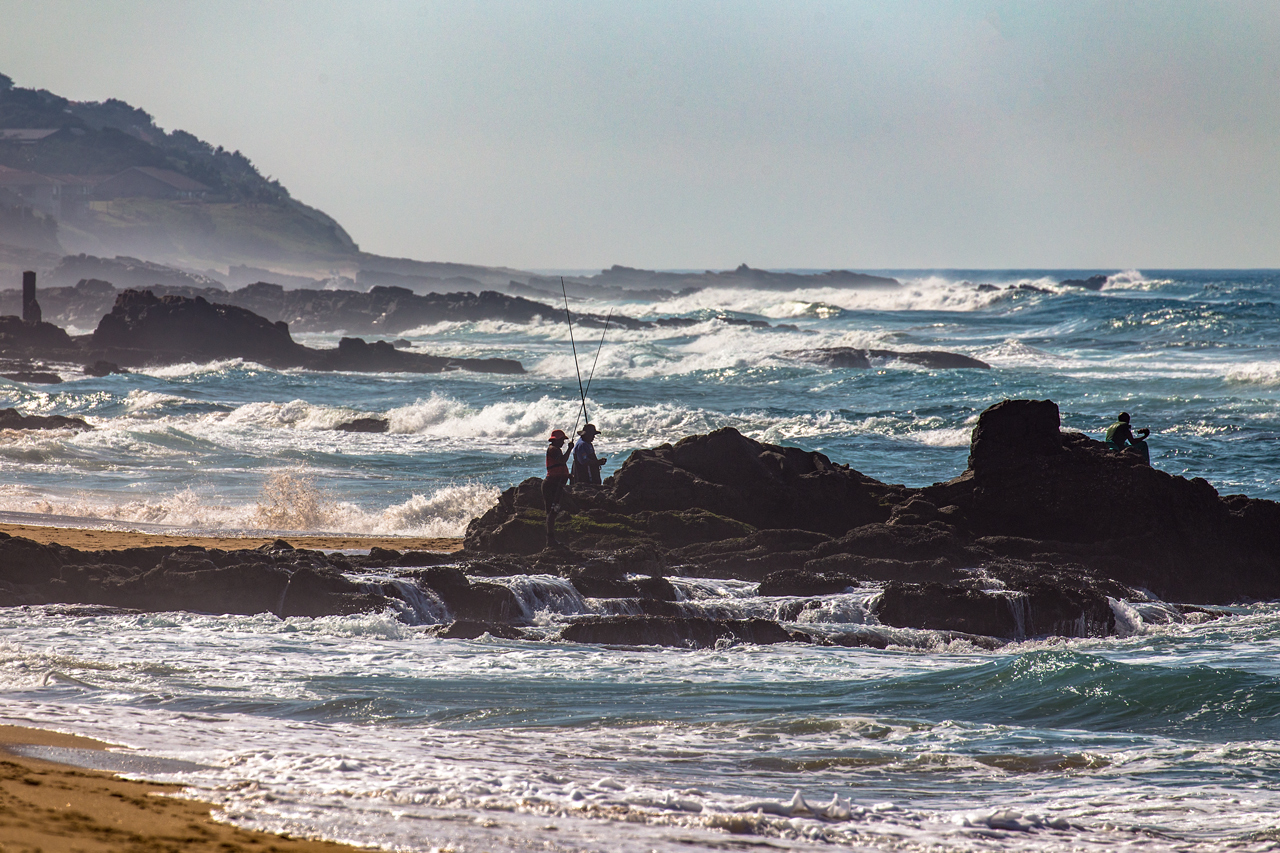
368	729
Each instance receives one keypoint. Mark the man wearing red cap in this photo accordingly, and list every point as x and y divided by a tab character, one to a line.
553	484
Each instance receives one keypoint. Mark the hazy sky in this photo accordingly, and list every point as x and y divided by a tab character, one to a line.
697	134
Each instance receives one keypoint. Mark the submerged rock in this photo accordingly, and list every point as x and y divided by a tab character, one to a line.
12	419
853	357
365	425
688	632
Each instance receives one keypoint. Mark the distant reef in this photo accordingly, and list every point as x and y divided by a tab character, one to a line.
138	326
143	329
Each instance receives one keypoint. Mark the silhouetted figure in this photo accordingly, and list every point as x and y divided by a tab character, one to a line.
553	483
1120	437
586	465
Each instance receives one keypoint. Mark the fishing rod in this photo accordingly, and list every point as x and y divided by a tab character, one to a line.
581	393
592	374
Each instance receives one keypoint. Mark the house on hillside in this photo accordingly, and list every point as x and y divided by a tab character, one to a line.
25	135
36	191
147	182
74	194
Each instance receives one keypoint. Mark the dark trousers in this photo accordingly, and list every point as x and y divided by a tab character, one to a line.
552	487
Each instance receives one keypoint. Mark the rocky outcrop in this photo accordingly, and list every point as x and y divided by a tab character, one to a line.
145	329
364	425
1026	542
18	337
1093	282
1038	536
284	582
12	419
688	632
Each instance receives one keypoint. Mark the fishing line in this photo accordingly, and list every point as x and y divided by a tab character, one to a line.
592	374
581	393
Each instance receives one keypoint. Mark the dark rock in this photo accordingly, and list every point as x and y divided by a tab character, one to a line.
34	377
470	629
689	632
855	358
804	582
143	328
11	419
103	368
26	563
184	578
764	485
947	608
607	580
1066	607
1093	282
936	359
323	591
485	602
44	339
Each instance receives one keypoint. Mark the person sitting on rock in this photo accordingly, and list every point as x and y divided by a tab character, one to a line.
553	483
1120	437
586	466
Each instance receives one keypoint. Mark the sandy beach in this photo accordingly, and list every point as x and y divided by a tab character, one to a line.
86	539
56	808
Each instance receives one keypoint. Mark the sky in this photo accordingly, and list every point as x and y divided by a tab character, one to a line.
692	135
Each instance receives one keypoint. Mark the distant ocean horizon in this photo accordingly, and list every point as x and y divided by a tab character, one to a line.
369	730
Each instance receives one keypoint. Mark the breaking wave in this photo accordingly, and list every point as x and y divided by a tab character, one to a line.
289	501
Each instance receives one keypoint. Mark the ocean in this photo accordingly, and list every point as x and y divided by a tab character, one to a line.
369	730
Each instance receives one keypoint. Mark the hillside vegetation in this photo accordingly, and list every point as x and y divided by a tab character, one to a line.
246	217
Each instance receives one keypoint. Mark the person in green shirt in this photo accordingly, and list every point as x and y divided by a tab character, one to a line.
1120	437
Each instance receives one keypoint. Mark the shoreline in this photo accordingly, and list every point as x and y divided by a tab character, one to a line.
60	808
90	539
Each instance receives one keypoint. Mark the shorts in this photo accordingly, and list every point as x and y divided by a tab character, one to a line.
552	488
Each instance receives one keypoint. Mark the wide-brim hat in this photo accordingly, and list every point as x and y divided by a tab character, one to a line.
588	429
558	434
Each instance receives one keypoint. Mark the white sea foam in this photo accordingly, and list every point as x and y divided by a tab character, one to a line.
945	437
1133	280
1264	373
928	294
290	500
189	368
1015	353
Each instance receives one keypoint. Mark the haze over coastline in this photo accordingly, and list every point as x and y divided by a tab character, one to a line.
293	294
677	135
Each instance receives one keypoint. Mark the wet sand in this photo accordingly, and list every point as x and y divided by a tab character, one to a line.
86	539
56	808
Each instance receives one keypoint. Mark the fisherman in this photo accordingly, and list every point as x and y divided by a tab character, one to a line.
1120	437
586	467
553	483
